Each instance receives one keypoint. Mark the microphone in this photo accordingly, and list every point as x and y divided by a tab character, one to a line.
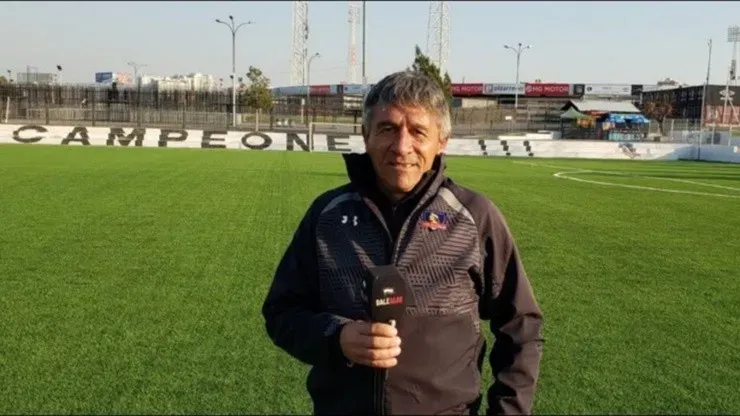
387	295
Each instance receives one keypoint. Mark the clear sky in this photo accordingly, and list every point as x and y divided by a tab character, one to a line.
574	42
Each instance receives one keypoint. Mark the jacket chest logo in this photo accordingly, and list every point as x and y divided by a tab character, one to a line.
433	220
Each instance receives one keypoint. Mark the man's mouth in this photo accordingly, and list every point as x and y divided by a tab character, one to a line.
402	165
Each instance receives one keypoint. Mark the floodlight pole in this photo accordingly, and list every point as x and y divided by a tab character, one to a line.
233	30
518	51
308	81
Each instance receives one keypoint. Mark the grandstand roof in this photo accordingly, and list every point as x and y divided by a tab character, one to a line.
585	106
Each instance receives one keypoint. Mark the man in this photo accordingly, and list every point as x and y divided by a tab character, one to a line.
455	253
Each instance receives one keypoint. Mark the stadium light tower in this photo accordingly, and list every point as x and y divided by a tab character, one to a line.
352	19
518	51
438	34
298	44
233	28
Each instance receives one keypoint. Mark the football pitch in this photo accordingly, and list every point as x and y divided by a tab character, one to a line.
131	280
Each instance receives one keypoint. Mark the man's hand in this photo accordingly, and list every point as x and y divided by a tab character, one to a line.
370	344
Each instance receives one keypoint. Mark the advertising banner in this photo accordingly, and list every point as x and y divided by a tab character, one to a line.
467	89
529	145
290	91
123	78
503	89
323	89
103	77
354	89
547	90
614	90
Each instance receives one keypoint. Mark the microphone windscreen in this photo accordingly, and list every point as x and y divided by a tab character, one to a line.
387	294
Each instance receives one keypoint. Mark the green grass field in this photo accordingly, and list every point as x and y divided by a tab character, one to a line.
131	279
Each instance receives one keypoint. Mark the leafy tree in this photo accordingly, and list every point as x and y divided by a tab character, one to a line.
258	95
423	64
3	80
658	111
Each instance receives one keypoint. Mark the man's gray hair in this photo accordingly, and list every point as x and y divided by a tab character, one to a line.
413	89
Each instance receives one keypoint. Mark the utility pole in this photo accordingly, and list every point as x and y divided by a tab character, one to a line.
233	28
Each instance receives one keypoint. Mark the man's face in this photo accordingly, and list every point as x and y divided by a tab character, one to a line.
402	143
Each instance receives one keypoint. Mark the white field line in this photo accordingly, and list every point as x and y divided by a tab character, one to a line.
579	170
696	183
544	165
563	175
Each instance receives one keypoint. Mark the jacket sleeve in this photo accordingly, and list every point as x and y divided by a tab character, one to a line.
515	319
293	317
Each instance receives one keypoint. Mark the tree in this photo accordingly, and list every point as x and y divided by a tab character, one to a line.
423	64
658	111
258	95
3	80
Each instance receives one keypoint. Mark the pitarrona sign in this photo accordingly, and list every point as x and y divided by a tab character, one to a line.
142	137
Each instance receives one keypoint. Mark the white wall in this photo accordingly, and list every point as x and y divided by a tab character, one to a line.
146	137
721	153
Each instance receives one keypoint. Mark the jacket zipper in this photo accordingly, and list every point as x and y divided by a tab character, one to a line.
379	377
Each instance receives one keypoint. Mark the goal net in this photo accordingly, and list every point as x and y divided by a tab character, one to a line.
335	137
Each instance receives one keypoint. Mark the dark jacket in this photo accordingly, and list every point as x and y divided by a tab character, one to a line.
457	276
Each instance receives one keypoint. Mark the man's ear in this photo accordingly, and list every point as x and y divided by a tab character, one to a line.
365	134
443	144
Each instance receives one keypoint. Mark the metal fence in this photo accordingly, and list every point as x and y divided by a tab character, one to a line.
692	131
97	105
105	106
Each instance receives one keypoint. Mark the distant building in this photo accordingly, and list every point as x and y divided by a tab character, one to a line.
191	82
664	85
687	102
40	78
122	79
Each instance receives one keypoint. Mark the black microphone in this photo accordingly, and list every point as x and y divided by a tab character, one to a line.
387	295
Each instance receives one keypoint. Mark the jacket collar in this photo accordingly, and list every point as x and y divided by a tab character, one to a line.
362	175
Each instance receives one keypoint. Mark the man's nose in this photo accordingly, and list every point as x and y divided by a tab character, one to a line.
404	143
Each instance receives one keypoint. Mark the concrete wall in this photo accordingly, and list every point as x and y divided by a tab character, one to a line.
536	146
